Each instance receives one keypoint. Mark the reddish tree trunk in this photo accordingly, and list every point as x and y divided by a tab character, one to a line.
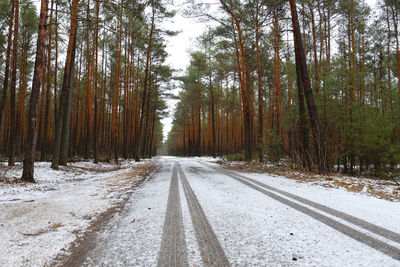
260	143
305	83
46	132
138	142
11	152
65	88
29	159
7	67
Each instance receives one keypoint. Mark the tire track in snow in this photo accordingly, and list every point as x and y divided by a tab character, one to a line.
210	248
173	251
376	229
344	229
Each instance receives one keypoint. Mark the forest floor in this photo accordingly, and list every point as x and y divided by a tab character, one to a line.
44	221
380	188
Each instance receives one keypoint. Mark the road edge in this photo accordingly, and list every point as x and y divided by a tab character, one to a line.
76	253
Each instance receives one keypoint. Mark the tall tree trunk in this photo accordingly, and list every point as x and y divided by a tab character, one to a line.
247	119
21	97
145	87
65	88
389	82
314	38
88	100
396	34
305	80
46	132
66	124
277	80
3	102
115	98
199	152
151	145
96	121
55	72
11	152
260	143
213	140
28	167
147	116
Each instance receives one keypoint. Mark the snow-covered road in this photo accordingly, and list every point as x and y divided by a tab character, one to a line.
193	212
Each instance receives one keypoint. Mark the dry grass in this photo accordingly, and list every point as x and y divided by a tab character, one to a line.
381	194
52	227
55	226
101	170
10	181
356	188
384	189
349	186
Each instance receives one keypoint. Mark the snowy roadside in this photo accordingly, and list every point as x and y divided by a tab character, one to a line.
257	230
378	208
43	221
384	189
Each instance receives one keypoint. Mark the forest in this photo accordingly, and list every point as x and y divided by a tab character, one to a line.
92	87
314	83
199	133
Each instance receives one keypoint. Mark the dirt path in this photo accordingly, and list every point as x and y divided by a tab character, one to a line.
173	251
211	250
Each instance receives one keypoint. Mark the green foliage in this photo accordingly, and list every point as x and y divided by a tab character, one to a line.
27	29
275	147
235	157
5	7
373	140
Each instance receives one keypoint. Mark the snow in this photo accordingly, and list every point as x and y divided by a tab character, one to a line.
256	230
367	207
38	222
132	238
193	249
381	188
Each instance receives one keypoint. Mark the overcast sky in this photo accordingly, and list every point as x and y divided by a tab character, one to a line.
179	47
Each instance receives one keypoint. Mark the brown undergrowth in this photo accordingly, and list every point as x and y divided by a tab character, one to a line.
380	188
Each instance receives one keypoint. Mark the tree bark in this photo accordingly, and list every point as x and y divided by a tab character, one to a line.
3	102
11	152
260	143
396	34
139	138
212	118
46	131
55	70
28	167
248	131
115	98
65	88
96	122
66	125
314	38
305	82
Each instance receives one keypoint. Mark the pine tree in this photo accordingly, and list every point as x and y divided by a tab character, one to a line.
28	167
